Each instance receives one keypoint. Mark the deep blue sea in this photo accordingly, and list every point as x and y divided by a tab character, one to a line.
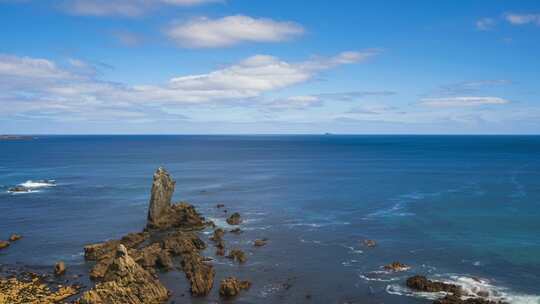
458	208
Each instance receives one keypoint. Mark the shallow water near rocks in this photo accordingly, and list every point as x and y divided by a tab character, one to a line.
451	207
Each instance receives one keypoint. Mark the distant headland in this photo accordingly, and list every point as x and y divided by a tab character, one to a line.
16	137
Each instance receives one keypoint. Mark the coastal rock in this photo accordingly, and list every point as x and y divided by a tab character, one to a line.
421	283
237	255
18	189
220	248
231	287
200	274
236	231
397	267
33	290
218	235
126	282
160	198
369	243
234	219
4	244
15	237
220	206
260	243
453	299
59	268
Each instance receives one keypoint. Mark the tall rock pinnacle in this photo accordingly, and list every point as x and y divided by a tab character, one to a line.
160	199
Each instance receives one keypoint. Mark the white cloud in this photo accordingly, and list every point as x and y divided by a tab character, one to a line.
520	19
231	30
462	101
126	8
485	24
32	84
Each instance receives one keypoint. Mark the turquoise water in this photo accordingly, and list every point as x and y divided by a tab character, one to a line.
452	207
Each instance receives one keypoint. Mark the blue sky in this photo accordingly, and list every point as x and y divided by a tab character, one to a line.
245	66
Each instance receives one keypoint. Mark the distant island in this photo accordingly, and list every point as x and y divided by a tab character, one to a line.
16	137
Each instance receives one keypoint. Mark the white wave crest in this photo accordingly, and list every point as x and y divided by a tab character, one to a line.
29	184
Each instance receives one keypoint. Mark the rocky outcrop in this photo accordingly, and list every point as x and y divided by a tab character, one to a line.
15	237
162	214
234	219
32	289
4	244
199	273
231	287
369	243
59	268
160	198
126	282
421	283
237	255
397	267
260	243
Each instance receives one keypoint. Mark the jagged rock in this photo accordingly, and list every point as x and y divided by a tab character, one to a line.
218	235
4	244
126	282
369	243
453	299
231	287
237	255
220	248
260	243
33	290
59	268
234	219
15	237
200	275
160	199
180	242
147	257
397	267
164	260
421	283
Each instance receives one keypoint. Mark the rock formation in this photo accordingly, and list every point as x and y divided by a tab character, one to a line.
59	268
237	255
397	267
4	244
14	237
234	219
260	243
231	287
421	283
453	299
126	282
32	289
369	243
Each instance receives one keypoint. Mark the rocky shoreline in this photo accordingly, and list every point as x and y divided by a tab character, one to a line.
127	270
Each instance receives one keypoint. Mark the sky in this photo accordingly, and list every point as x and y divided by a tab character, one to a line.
269	67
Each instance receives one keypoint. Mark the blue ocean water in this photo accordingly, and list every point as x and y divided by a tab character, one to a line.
459	208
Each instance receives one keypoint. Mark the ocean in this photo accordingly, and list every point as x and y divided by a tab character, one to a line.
463	209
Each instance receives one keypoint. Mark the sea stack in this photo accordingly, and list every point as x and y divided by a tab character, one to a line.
160	199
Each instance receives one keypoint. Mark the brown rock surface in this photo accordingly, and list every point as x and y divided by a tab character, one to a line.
234	219
126	282
160	198
33	291
369	243
59	268
397	267
200	274
260	243
231	287
421	283
15	237
237	255
4	244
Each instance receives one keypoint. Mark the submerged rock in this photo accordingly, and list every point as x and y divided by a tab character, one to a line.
126	282
15	237
218	235
260	243
220	206
369	243
237	255
231	287
236	231
421	283
59	268
18	189
397	267
234	219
